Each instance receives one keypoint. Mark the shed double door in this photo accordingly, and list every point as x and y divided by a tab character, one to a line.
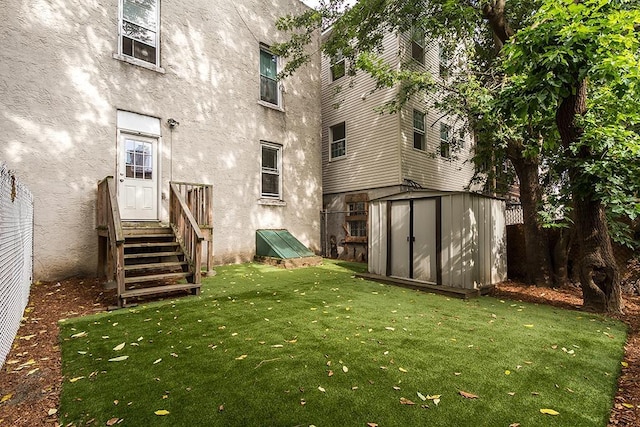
413	239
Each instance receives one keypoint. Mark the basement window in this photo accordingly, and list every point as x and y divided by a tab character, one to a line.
357	217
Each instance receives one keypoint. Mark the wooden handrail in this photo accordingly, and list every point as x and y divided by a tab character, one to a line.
187	230
113	221
186	212
108	217
199	200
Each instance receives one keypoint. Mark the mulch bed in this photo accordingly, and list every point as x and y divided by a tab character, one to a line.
31	376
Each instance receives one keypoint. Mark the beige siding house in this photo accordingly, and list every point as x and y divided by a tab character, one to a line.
151	92
367	155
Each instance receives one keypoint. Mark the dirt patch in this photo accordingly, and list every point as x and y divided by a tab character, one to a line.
32	377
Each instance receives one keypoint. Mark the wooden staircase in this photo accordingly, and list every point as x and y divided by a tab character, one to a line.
148	258
154	261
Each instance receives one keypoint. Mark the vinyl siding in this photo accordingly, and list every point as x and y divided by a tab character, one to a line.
372	152
428	168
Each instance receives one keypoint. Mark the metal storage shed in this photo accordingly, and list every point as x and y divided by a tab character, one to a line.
452	239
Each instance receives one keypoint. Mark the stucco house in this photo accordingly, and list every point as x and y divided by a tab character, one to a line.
152	92
372	159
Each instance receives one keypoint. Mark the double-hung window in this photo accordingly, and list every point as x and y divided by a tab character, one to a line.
444	63
445	141
269	90
338	68
417	44
338	137
357	216
271	170
140	30
418	130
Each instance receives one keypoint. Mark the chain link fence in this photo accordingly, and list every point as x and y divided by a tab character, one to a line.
16	255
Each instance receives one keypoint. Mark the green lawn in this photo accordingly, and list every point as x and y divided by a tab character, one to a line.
316	346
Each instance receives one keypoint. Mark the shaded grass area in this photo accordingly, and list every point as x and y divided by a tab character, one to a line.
317	346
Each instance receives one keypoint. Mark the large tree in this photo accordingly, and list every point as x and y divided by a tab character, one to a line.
523	87
578	62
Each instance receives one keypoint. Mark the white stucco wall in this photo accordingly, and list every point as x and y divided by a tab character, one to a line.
60	89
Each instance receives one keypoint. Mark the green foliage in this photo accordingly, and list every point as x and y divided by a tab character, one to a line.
568	42
318	346
509	99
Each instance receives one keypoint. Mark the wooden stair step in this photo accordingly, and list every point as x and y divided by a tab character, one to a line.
157	289
149	244
148	236
152	254
154	277
156	229
157	265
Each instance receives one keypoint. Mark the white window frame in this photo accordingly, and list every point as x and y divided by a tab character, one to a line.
339	59
332	141
265	48
120	55
444	63
417	34
418	130
271	171
445	144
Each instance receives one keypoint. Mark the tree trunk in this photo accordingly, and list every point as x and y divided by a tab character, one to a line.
538	259
560	257
536	238
597	267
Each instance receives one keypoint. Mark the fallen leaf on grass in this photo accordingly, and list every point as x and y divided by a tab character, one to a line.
322	389
118	347
113	421
549	411
162	412
468	395
330	373
119	359
157	361
73	380
242	357
625	364
528	326
345	369
402	370
514	425
372	425
79	335
421	396
405	401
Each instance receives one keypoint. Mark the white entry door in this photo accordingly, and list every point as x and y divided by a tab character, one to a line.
138	178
